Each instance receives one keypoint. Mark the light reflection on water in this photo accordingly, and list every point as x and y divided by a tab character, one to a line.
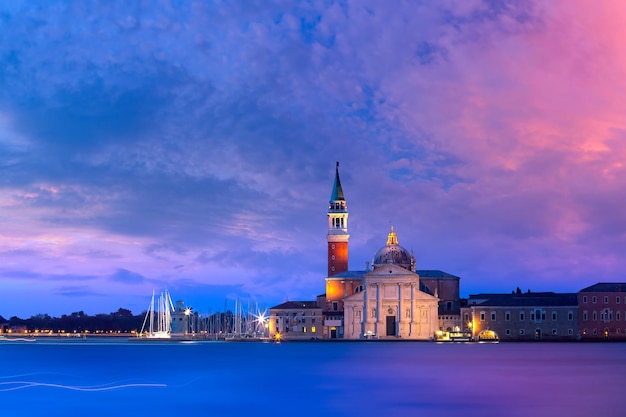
312	379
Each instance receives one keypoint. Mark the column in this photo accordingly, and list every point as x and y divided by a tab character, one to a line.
413	325
365	314
400	311
379	322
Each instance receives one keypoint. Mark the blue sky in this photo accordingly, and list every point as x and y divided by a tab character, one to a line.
192	145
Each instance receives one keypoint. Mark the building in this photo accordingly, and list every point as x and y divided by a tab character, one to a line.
445	287
390	306
391	300
602	312
337	236
522	316
296	320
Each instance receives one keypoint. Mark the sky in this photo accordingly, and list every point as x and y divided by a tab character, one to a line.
192	146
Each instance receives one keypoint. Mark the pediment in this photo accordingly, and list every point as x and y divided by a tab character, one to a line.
390	270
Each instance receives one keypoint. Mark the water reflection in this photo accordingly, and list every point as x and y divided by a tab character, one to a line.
314	379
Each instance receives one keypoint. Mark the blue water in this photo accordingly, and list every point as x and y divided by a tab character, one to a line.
91	378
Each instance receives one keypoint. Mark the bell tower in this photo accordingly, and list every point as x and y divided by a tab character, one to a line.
337	236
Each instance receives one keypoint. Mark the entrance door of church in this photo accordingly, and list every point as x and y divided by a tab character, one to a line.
391	325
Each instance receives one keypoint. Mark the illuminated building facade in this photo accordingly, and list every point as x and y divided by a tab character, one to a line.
522	316
602	312
296	320
389	302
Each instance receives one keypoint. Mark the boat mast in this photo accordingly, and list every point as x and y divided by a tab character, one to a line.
152	314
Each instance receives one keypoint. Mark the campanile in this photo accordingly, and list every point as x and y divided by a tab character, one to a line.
337	229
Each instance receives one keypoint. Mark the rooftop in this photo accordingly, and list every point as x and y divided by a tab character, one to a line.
606	287
529	299
295	305
434	273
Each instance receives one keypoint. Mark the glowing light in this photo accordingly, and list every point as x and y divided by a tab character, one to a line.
261	317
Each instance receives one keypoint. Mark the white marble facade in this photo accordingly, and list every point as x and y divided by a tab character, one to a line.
391	305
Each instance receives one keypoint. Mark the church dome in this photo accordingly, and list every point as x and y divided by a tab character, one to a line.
393	253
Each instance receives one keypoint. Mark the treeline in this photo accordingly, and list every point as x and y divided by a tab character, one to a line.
121	320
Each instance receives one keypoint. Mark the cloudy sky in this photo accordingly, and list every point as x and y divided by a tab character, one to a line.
192	145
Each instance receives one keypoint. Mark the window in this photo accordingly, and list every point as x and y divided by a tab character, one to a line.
507	316
594	299
313	329
304	329
521	332
570	332
493	316
521	317
595	316
617	317
466	317
595	331
554	333
507	332
585	299
482	316
570	316
617	300
532	316
606	299
335	305
585	316
357	314
554	316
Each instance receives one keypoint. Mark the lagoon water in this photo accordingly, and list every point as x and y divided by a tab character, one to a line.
107	378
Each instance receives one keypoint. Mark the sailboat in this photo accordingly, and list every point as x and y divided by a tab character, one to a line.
159	317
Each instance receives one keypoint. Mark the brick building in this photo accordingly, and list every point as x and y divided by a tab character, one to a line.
602	312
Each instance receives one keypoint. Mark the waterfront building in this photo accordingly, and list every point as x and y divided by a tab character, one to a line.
181	319
445	287
522	316
388	300
602	312
296	320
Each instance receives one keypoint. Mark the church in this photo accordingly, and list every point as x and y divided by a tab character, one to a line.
390	300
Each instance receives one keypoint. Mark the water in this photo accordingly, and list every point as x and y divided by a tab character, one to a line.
91	378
